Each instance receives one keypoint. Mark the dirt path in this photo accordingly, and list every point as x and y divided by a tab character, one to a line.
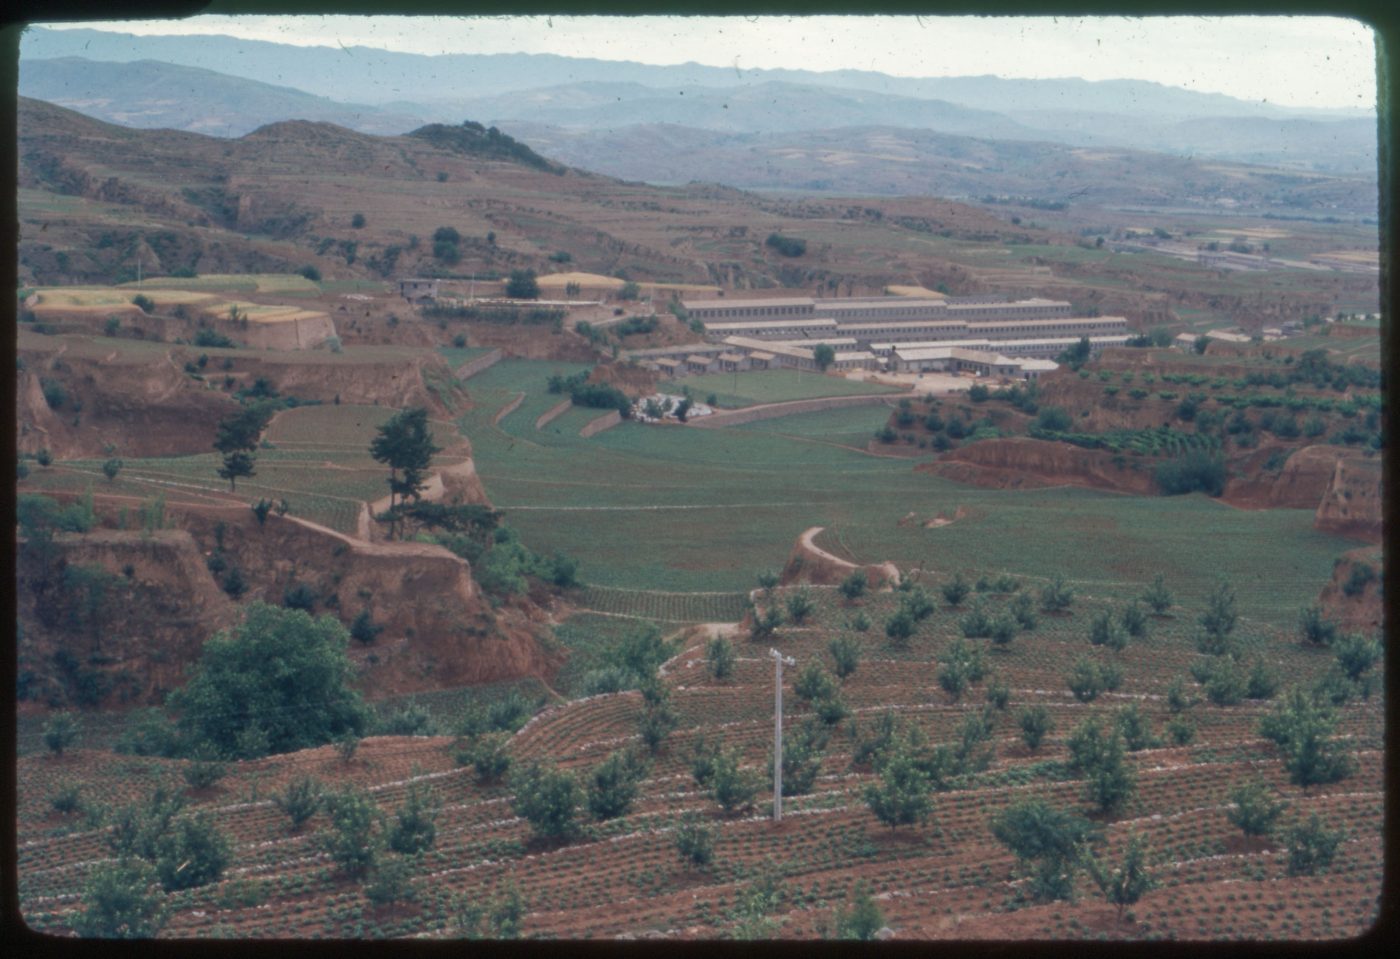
768	411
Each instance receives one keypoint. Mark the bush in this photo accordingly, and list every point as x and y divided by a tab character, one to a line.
800	605
299	801
65	799
730	786
1056	596
786	245
863	919
414	829
955	590
1050	844
121	902
363	629
695	842
356	834
899	628
845	654
194	854
1035	725
613	784
854	586
1361	575
311	273
522	285
204	771
720	657
1195	470
1314	629
547	798
1253	809
391	880
1312	847
146	304
60	732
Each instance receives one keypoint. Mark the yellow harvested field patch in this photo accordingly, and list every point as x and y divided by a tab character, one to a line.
582	279
1353	256
920	291
99	298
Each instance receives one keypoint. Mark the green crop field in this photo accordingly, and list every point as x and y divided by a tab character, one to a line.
773	386
457	355
677	510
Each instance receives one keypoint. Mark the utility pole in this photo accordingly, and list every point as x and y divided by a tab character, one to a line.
778	660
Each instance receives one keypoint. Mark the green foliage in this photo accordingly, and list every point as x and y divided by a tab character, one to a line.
786	245
1133	620
1356	654
1181	730
149	732
731	786
1104	631
824	354
1315	629
862	919
299	801
404	444
1056	596
800	605
237	438
414	828
1195	470
613	785
899	628
547	798
390	880
356	835
1035	725
522	285
814	682
61	732
854	586
1262	683
1050	843
1126	884
364	629
955	590
1135	728
1254	810
204	771
1361	574
195	853
845	655
1022	609
1312	847
720	658
803	749
754	905
1219	617
901	797
279	673
1086	679
488	756
960	665
694	842
121	901
1301	729
111	468
66	799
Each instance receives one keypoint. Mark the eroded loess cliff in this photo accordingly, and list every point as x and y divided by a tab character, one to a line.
1353	502
1025	463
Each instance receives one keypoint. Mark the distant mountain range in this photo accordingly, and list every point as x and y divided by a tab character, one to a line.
583	110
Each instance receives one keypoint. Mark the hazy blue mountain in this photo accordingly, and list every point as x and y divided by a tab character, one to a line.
150	94
374	76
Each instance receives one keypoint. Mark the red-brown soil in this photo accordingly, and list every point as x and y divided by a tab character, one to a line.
1364	611
1353	504
438	629
809	563
633	380
1025	463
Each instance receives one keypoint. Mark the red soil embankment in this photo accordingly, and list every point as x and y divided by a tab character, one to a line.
1365	610
1301	484
1023	463
809	563
147	408
1353	504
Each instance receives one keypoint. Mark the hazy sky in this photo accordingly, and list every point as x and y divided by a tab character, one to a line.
1291	61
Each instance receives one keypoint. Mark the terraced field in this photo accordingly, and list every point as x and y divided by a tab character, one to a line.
642	507
947	878
772	386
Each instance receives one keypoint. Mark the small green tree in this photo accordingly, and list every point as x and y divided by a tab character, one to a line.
356	834
1157	597
1056	596
862	918
613	785
956	590
765	624
1050	844
845	655
1219	617
1133	620
1301	728
111	468
901	797
195	853
1356	654
1312	847
1085	680
854	586
299	801
731	786
814	682
1126	884
121	901
1254	809
547	798
823	354
803	749
800	605
61	732
899	628
1022	608
1035	725
405	444
694	842
1135	728
390	880
364	629
414	828
1314	628
720	657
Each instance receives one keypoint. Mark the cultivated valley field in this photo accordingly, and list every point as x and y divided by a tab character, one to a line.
345	614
